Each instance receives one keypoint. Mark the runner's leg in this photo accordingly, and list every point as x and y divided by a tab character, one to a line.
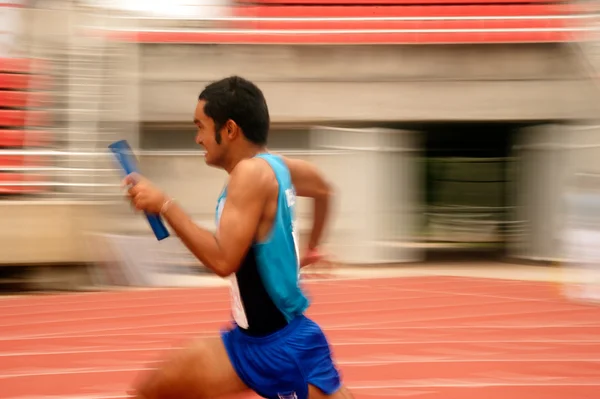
201	370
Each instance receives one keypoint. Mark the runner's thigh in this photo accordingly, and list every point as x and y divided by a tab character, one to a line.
201	370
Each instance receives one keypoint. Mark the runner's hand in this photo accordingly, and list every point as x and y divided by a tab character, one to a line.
316	264
144	196
311	256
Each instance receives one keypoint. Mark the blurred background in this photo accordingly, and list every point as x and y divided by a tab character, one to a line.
451	129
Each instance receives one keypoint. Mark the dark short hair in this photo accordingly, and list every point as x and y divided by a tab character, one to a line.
241	101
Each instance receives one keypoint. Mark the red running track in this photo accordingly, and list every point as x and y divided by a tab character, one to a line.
418	337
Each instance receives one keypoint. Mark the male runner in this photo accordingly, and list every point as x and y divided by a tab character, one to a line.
273	349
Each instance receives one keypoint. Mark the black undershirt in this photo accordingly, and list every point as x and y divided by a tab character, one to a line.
263	316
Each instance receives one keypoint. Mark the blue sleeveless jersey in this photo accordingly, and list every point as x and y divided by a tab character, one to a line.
265	291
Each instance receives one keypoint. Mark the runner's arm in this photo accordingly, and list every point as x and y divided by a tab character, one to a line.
224	252
310	182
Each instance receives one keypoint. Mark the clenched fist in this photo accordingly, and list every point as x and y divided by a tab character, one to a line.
144	196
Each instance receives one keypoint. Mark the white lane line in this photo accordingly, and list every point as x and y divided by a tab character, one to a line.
383	342
137	331
362	363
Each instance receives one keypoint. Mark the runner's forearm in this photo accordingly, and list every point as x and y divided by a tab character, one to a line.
320	217
201	242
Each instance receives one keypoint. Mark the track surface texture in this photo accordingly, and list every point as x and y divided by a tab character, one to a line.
413	337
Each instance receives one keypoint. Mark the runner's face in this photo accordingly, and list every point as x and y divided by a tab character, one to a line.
206	136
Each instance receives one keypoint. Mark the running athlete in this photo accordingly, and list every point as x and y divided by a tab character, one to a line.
272	349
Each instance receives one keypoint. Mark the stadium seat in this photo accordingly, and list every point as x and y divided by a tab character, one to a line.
347	38
389	2
21	65
23	99
24	92
16	161
417	25
406	12
24	138
383	22
13	81
12	183
22	118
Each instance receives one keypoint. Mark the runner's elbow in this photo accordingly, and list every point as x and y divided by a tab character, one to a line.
325	190
224	268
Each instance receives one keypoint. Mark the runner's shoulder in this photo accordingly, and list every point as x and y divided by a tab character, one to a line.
252	173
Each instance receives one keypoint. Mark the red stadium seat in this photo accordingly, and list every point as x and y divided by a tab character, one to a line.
21	65
19	78
20	118
15	65
494	10
346	38
388	2
22	99
13	183
24	138
417	26
15	161
398	22
23	82
14	81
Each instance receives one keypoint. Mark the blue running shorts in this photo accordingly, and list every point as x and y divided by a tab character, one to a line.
282	365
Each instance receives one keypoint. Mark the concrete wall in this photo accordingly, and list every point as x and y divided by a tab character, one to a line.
350	83
377	202
53	231
379	83
549	158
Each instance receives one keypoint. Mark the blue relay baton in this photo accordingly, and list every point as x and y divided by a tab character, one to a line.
124	156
